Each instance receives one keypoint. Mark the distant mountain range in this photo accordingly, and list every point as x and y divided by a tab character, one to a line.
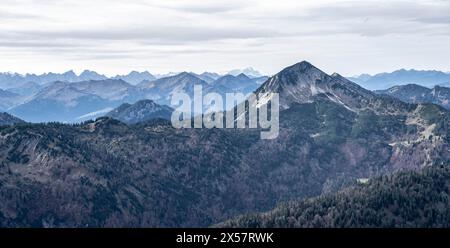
161	90
18	83
67	102
401	77
413	93
333	134
82	100
71	100
27	89
14	80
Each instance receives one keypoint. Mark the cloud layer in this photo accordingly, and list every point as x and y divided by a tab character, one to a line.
118	36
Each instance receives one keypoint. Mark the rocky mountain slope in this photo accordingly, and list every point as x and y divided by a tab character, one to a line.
414	93
66	102
8	99
7	119
15	80
106	173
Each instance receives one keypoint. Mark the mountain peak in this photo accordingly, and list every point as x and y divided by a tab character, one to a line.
69	73
146	102
141	111
303	67
7	119
385	80
242	76
185	74
86	72
305	63
301	82
336	75
91	75
136	77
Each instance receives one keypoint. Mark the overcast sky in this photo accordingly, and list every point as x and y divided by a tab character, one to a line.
115	37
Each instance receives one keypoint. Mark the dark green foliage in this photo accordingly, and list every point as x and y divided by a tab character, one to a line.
405	199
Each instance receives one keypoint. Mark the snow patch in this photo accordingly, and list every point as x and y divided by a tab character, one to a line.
336	99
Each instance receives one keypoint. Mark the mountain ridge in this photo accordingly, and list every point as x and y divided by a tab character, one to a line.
413	93
8	120
381	81
141	111
64	101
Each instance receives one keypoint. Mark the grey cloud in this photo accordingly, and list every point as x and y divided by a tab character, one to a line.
369	18
436	19
106	56
186	32
150	34
4	15
202	7
206	9
393	10
360	9
36	44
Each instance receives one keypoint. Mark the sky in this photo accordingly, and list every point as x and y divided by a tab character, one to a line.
115	37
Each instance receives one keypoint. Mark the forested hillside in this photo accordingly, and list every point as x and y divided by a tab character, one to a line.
405	199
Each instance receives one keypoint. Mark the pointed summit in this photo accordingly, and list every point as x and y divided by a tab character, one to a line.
301	77
69	73
303	82
242	76
302	65
185	74
87	75
135	77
